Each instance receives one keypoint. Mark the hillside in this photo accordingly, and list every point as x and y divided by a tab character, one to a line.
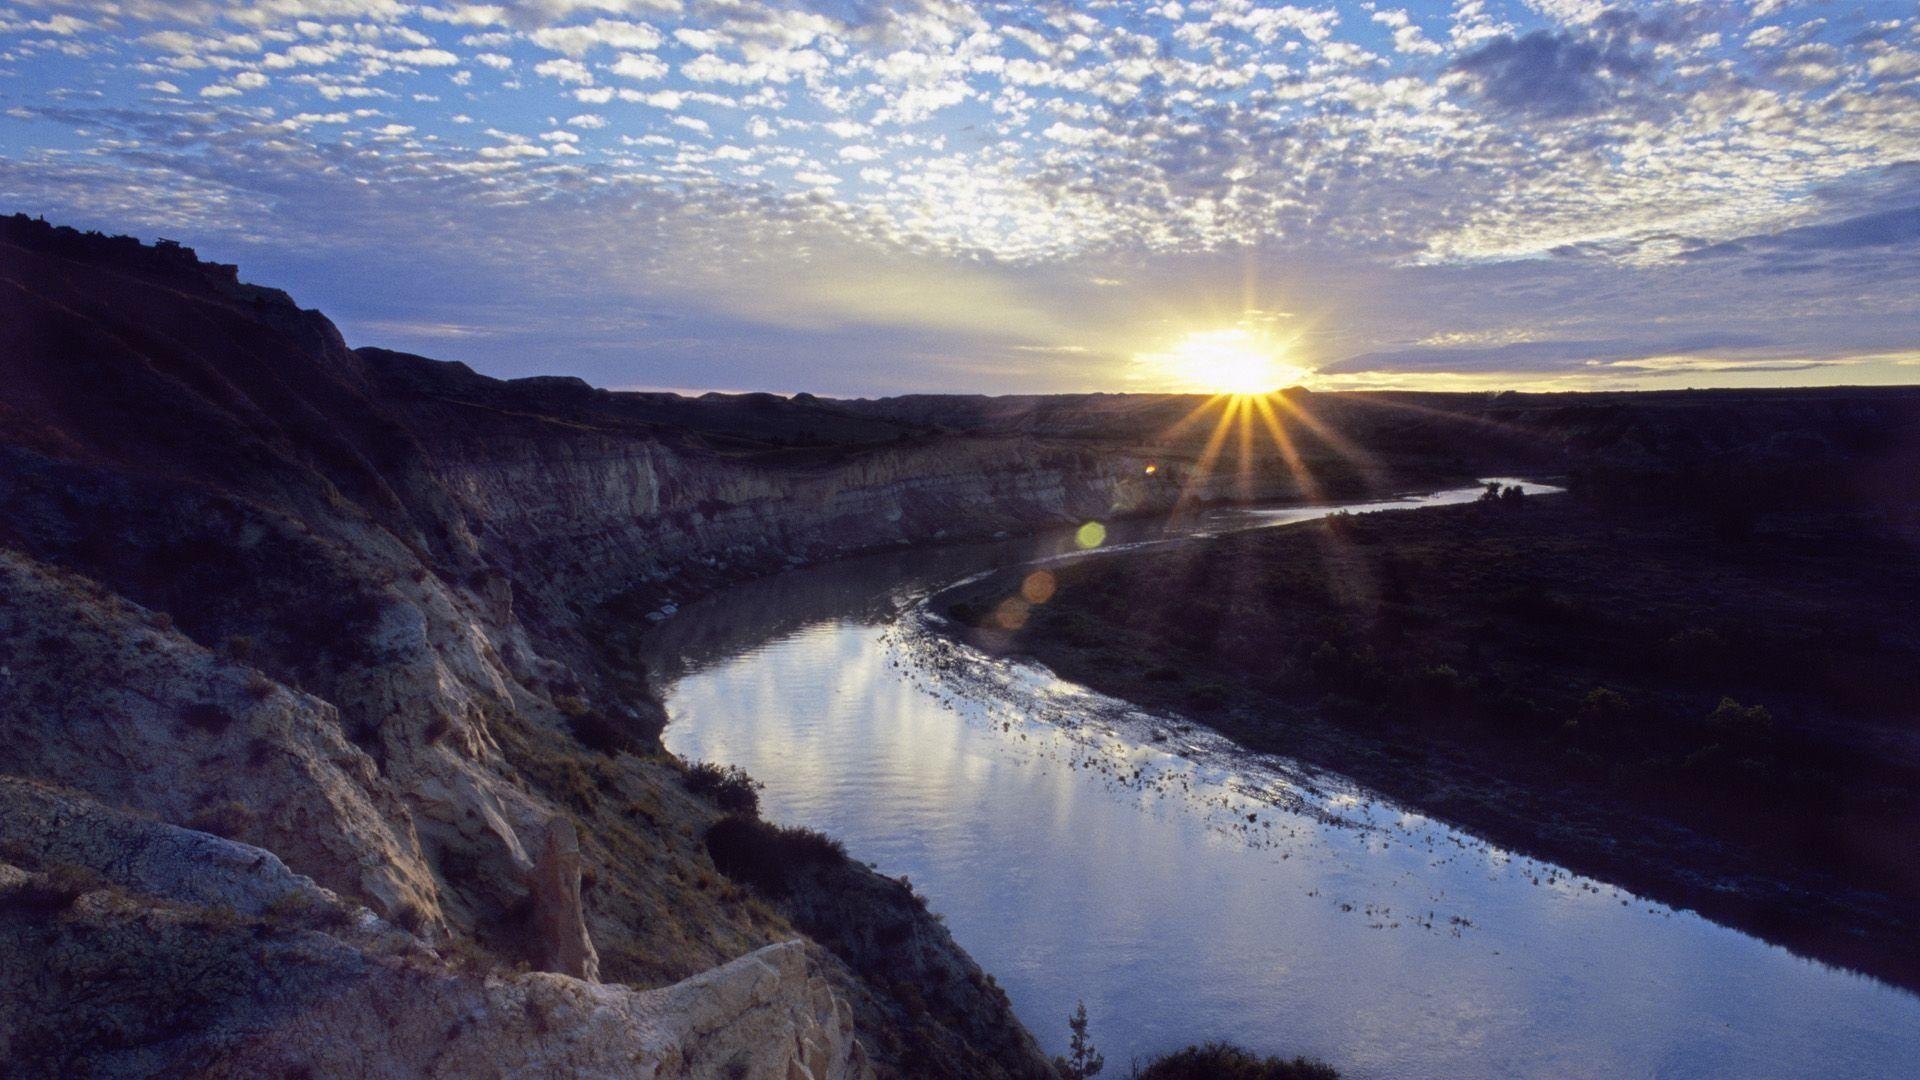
324	604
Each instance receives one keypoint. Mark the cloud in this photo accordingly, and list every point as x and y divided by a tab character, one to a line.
577	41
1547	355
639	67
1558	73
567	71
1582	187
1886	228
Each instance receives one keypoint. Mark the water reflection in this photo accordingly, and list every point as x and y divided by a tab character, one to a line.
1080	849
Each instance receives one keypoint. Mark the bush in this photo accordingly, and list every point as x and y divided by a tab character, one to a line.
1439	687
53	891
769	857
1752	722
207	717
601	734
1218	1061
1603	706
1209	695
306	909
729	786
1696	651
232	820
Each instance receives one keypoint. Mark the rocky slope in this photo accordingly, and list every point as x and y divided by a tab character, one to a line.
159	950
326	604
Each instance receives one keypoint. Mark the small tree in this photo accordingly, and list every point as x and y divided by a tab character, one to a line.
1083	1060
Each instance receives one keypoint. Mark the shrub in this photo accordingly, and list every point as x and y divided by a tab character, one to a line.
1696	651
1218	1061
729	786
1603	705
410	917
439	728
1743	721
1438	686
207	717
769	857
306	909
233	820
601	734
53	891
1543	606
1209	695
577	785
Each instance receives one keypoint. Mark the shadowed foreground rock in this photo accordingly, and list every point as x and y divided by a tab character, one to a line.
163	951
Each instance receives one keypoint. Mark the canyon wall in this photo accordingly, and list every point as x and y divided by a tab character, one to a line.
253	585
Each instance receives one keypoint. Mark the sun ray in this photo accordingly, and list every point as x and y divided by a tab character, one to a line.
1203	468
1288	452
1379	400
1339	443
1243	473
1198	411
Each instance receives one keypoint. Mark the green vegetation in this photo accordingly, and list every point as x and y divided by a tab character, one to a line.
770	858
1082	1060
595	730
1218	1061
729	786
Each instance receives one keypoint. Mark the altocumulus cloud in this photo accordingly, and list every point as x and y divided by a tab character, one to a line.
848	196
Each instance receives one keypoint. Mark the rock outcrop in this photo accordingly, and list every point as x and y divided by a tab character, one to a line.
164	951
562	943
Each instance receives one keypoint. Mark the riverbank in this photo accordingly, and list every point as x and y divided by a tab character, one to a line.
1720	723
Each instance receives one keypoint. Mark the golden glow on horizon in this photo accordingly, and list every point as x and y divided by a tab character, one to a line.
1236	360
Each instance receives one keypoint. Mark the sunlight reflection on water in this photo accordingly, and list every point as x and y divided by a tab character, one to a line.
1081	849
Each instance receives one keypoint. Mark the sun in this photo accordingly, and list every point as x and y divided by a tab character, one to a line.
1230	361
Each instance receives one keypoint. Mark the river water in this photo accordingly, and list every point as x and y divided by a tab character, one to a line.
1186	890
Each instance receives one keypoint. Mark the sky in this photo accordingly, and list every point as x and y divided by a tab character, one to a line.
858	198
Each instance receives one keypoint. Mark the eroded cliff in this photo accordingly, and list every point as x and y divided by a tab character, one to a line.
326	605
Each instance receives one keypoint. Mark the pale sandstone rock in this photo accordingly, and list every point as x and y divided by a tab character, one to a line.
51	827
564	946
165	975
102	698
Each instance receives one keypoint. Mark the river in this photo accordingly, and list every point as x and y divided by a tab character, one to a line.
1187	890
